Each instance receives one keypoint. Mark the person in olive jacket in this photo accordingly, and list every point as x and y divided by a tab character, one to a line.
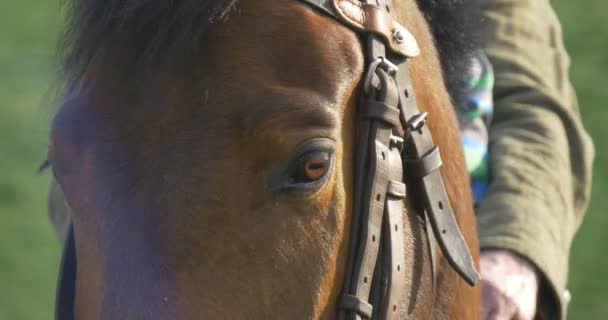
539	164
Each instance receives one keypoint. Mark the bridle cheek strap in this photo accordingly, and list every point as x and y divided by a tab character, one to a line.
391	137
380	192
66	286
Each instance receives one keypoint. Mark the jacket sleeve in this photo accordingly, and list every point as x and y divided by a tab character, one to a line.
540	154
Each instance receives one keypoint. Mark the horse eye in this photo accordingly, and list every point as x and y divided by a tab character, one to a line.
311	167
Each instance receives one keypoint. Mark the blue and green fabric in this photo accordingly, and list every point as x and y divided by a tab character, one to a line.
474	115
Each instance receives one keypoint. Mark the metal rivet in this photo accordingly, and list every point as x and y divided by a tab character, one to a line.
399	35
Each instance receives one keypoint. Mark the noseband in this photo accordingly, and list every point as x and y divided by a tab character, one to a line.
391	138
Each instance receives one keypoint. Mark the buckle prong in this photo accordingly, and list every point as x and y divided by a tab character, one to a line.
417	121
396	142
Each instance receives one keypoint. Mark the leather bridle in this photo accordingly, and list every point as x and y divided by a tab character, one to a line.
392	143
391	138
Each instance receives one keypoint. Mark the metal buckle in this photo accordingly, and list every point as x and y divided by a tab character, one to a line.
417	121
396	142
382	62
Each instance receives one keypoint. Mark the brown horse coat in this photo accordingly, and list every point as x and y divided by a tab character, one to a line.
173	170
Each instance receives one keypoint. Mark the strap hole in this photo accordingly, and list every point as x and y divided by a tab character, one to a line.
440	204
383	155
373	238
394	308
396	227
443	231
398	267
378	197
406	93
365	280
388	9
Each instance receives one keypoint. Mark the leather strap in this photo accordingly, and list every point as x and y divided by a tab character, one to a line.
393	240
369	18
353	303
66	289
381	111
379	180
376	168
422	163
430	183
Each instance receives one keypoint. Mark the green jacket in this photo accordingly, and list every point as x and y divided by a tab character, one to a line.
540	155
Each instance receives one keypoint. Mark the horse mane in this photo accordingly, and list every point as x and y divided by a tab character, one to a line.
454	24
147	31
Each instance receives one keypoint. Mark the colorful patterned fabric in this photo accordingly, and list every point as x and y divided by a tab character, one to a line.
474	118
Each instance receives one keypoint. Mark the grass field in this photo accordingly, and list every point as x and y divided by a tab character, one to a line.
29	252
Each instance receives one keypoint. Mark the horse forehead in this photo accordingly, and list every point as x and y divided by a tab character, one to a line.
286	43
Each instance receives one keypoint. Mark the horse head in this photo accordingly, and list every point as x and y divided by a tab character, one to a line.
207	153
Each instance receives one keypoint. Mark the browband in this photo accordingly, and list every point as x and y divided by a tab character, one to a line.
367	18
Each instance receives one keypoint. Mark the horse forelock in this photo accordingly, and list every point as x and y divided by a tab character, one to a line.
148	31
145	31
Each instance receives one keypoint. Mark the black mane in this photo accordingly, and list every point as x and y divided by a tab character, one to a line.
454	24
146	30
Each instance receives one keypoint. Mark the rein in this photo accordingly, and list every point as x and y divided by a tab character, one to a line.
392	142
391	138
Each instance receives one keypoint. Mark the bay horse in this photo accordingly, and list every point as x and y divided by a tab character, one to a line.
207	152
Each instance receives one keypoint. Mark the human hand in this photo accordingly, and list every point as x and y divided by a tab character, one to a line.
509	286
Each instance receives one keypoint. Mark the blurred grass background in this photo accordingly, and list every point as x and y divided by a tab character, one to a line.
29	251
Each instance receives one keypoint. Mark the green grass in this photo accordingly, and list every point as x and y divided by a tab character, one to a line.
585	26
29	252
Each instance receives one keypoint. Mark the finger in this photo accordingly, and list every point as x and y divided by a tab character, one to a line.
495	304
512	277
519	315
490	301
488	311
